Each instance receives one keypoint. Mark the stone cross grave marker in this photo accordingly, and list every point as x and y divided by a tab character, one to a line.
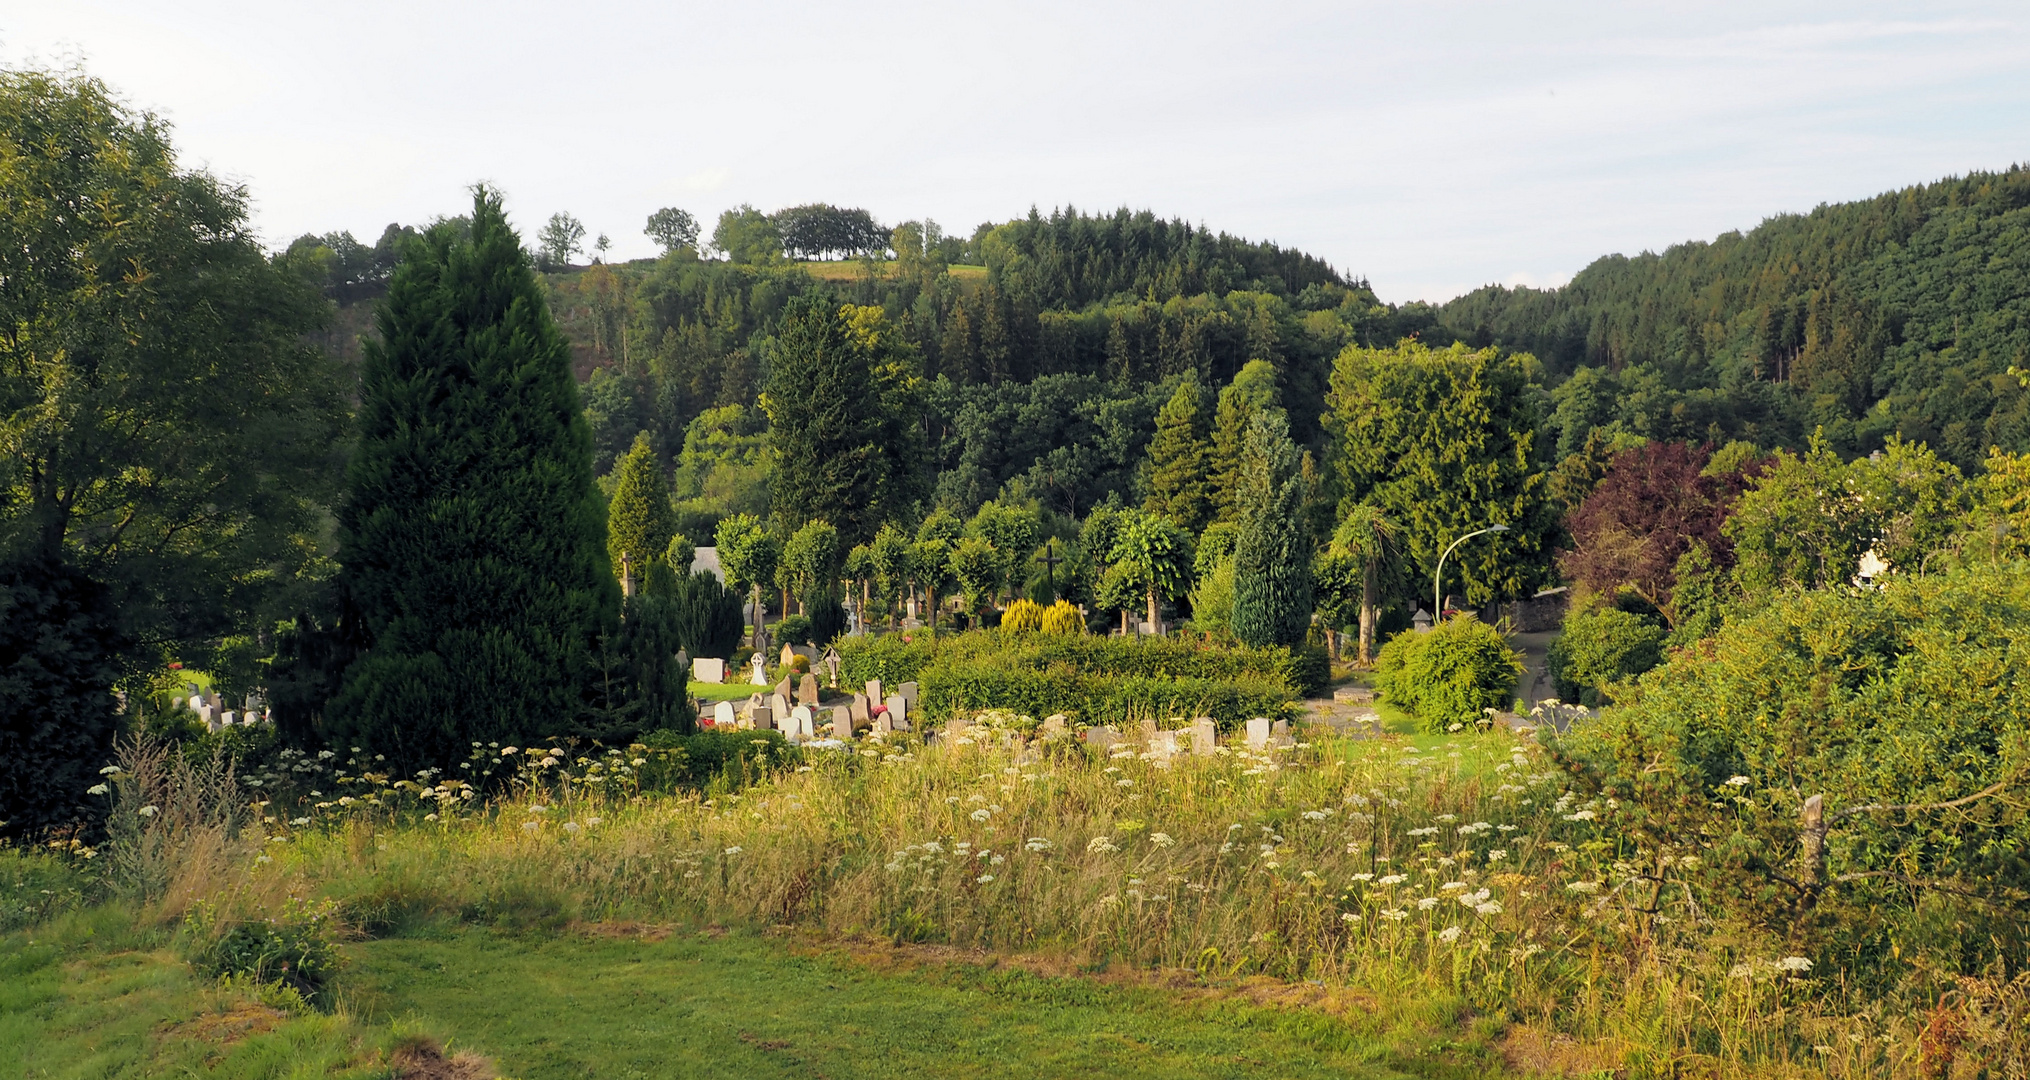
760	675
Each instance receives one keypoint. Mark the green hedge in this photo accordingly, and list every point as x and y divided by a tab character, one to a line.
948	688
1305	671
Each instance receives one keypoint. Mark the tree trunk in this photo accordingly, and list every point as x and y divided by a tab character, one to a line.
1367	614
1155	612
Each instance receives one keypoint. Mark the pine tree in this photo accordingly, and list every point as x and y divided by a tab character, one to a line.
1179	487
640	521
1252	392
472	546
1272	556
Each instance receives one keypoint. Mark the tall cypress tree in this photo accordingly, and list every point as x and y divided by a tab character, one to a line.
640	521
472	544
1272	556
1179	487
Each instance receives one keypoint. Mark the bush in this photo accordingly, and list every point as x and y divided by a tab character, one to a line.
1600	648
1063	618
970	686
1450	674
1022	616
1905	697
297	949
59	644
792	630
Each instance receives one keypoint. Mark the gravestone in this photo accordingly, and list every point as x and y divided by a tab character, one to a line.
784	688
831	662
842	723
759	677
882	725
1053	725
807	690
722	714
684	663
1204	736
1164	747
788	654
778	705
859	709
761	719
1148	731
1279	734
898	712
802	725
874	690
1101	738
1258	733
708	669
908	692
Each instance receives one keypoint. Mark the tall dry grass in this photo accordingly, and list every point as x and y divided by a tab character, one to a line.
1460	881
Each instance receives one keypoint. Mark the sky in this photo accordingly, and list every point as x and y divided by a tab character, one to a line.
1430	148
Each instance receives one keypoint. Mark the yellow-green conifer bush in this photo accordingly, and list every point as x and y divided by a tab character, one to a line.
1063	618
1022	617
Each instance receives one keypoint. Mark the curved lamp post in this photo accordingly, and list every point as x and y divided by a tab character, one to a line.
1437	601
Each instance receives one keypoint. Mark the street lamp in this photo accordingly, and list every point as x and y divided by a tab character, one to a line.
1437	601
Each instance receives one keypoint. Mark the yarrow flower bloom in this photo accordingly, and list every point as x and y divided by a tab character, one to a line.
1737	781
1161	839
1449	934
1794	964
1101	845
148	811
97	789
1586	887
734	850
1392	879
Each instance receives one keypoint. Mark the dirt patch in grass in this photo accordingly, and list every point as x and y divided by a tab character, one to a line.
1531	1050
421	1059
244	1019
632	931
888	957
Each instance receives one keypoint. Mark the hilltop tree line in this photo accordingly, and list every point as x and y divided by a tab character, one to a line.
1900	315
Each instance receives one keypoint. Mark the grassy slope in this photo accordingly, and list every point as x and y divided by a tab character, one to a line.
99	1002
742	1005
105	1004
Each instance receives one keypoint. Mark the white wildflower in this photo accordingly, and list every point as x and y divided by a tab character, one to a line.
1793	964
1101	845
1587	888
1737	781
1161	839
1449	935
97	789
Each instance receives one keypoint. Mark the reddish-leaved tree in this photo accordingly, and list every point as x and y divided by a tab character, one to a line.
1651	508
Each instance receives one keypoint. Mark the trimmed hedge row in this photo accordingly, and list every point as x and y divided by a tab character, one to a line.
949	688
894	658
1094	680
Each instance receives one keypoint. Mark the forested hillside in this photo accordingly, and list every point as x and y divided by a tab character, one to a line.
1043	363
1898	314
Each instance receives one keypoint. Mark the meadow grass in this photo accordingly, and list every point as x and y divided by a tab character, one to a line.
1456	882
716	1004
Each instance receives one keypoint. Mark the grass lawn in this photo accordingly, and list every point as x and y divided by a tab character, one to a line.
727	691
849	270
742	1005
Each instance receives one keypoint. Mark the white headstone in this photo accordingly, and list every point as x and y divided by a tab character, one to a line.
1100	738
760	674
778	704
898	712
1258	733
801	724
1204	735
722	715
708	669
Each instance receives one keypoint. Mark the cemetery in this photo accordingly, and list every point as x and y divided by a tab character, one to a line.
1094	646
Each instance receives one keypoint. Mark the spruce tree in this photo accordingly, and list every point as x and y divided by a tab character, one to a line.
1252	392
640	521
1179	487
472	543
1272	555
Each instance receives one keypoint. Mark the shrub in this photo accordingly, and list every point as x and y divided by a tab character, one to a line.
1887	703
1600	648
59	640
1063	618
1022	616
296	949
793	629
1450	674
